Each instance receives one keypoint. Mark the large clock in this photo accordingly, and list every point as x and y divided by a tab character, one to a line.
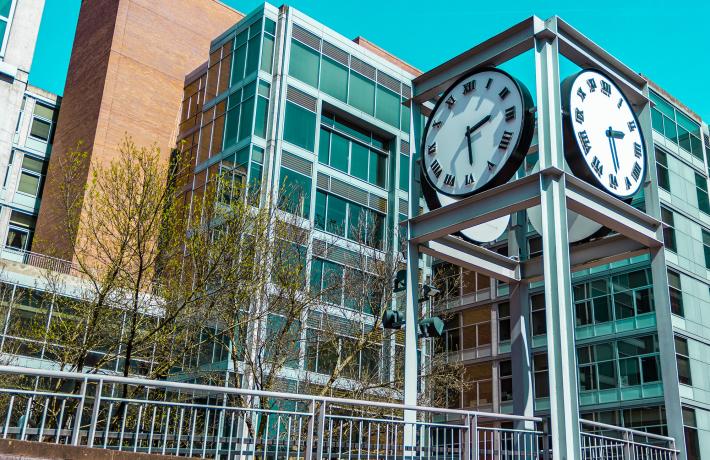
476	138
603	141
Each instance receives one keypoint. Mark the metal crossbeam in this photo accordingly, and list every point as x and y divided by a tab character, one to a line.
473	257
587	255
483	207
611	212
494	51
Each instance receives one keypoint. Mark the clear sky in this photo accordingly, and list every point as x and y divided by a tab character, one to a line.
668	41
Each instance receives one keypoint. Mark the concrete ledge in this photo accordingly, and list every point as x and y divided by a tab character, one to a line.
11	449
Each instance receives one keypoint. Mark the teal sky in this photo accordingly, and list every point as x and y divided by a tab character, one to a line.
668	41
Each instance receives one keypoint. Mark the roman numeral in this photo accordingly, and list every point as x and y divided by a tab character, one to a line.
437	124
597	166
613	183
627	183
504	93
510	113
637	150
469	86
488	83
432	149
618	104
632	126
584	140
491	165
451	101
468	180
449	180
436	168
636	172
505	140
581	94
592	85
579	115
606	88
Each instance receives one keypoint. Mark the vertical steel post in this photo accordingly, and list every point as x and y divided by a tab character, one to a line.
411	316
561	353
76	434
95	414
661	296
520	326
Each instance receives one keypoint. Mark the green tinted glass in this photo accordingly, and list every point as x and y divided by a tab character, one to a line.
238	64
358	161
324	147
32	164
388	106
339	152
304	63
5	8
336	215
320	213
267	54
253	54
403	172
300	126
231	126
362	93
334	79
378	169
245	120
262	111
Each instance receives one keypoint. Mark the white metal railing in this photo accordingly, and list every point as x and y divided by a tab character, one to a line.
601	442
159	417
183	419
38	260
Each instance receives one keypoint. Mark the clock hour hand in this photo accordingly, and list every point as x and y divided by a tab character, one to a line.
470	130
613	136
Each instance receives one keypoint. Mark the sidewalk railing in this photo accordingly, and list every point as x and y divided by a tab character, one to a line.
601	442
183	419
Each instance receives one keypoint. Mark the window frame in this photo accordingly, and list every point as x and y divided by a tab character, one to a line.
676	289
668	218
32	173
8	26
685	357
42	119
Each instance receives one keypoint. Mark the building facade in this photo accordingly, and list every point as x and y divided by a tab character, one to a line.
29	115
286	102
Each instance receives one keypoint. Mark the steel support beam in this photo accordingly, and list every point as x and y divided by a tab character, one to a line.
611	212
473	257
496	50
561	350
483	207
588	255
661	296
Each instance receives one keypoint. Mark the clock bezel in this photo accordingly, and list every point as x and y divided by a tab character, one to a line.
574	155
513	162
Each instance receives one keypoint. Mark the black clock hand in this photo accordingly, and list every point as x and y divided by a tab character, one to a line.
613	135
469	131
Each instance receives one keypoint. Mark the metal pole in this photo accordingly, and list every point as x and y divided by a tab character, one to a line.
412	293
561	352
76	434
95	414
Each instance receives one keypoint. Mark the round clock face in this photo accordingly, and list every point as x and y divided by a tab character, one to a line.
478	134
604	144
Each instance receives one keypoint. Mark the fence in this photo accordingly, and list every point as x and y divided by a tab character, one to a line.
183	419
608	442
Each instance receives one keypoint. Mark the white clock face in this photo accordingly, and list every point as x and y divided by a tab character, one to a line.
473	136
609	145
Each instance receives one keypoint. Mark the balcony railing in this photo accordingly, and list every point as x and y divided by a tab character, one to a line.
38	260
182	419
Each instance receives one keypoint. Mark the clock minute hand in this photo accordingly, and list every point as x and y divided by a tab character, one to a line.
613	136
469	131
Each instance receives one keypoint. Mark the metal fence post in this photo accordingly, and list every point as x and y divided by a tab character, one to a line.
316	427
474	436
95	414
76	433
468	441
628	448
545	440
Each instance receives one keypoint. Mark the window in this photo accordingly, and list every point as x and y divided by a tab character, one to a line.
267	50
19	235
5	10
535	246
334	79
701	190
676	126
344	218
668	229
690	428
30	176
505	373
476	330
683	359
675	292
388	104
404	172
706	247
238	119
542	382
503	321
638	361
664	181
304	63
246	53
300	126
353	150
537	303
294	193
41	127
9	168
362	93
627	295
262	109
